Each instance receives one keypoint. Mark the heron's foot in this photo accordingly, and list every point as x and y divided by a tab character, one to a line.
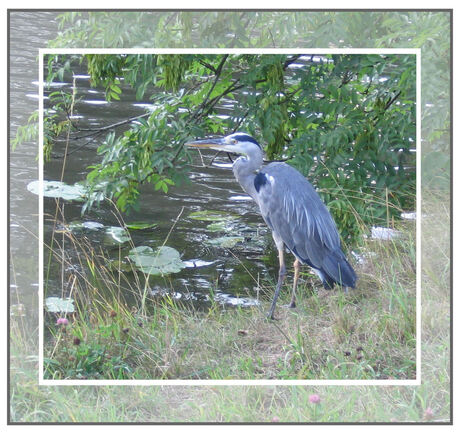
271	316
291	305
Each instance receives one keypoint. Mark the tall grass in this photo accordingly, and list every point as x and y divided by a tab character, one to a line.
367	333
120	330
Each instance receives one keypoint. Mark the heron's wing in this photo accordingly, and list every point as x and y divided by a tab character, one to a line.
292	208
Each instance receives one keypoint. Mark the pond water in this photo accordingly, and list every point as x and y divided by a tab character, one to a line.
230	269
226	253
231	273
23	206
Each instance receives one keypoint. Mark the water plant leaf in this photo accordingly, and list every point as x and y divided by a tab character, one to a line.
225	242
220	226
140	225
58	189
212	215
59	305
116	233
164	260
87	225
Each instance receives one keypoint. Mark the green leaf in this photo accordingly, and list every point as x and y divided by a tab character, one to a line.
140	225
58	189
164	260
76	226
117	234
225	242
212	215
59	305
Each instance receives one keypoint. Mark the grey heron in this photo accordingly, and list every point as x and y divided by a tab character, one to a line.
293	211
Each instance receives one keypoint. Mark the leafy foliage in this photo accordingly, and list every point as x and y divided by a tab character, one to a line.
347	122
419	29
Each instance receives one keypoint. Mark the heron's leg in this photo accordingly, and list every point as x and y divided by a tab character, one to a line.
281	274
296	279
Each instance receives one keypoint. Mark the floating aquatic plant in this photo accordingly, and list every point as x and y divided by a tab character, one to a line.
59	305
212	215
164	260
58	189
140	225
225	242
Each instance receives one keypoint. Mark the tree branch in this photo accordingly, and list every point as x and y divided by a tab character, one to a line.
290	60
392	100
97	131
218	72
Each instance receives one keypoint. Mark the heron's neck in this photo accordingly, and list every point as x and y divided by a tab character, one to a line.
245	169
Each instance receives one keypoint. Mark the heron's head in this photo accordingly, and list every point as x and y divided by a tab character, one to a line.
238	143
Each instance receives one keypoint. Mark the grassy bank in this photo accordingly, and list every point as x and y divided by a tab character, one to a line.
428	402
367	333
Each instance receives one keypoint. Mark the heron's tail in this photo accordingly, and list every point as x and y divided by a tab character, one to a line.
336	269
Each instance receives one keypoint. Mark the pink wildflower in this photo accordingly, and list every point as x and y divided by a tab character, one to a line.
275	419
62	321
429	414
314	399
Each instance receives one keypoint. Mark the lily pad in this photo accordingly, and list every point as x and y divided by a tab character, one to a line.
88	225
164	260
140	225
225	242
59	305
212	216
58	189
220	226
117	234
114	234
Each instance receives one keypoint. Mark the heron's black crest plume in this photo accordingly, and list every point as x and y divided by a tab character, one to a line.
242	137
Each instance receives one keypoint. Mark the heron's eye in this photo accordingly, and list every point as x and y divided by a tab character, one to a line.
234	141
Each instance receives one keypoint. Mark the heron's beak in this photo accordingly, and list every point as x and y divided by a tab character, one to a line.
217	144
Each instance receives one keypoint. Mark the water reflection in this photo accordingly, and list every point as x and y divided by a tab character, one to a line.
23	165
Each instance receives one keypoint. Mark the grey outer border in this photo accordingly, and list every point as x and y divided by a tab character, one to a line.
9	11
